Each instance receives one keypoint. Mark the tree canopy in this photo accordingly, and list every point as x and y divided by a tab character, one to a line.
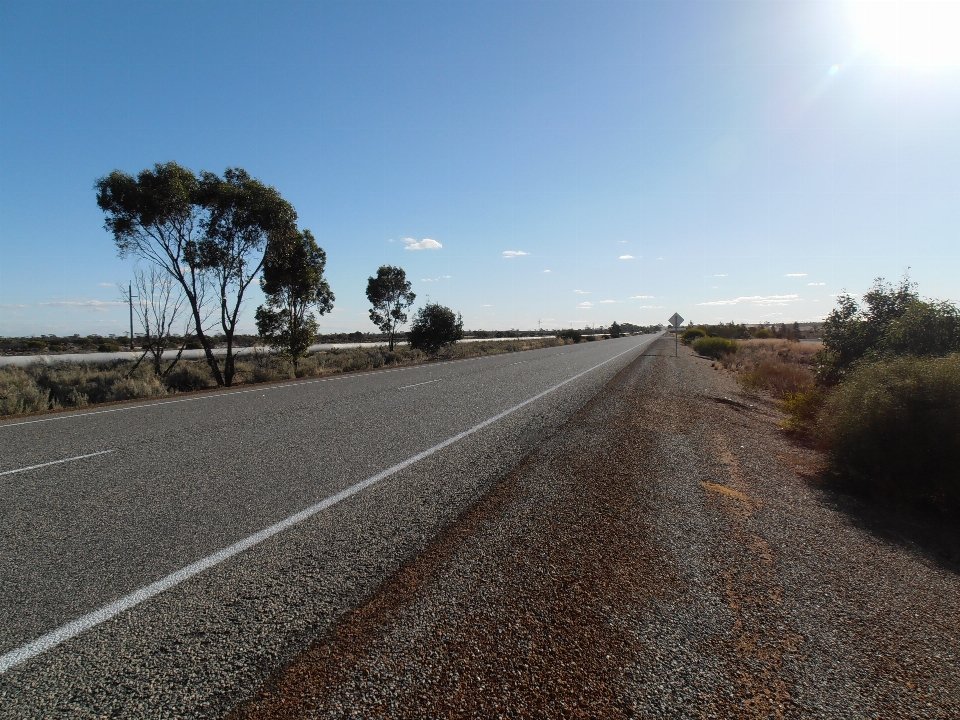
891	320
294	285
209	233
435	327
390	295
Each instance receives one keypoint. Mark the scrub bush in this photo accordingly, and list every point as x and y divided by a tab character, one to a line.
570	334
692	334
892	431
714	347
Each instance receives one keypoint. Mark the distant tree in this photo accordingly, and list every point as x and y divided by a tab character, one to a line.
293	284
390	295
615	330
435	327
210	234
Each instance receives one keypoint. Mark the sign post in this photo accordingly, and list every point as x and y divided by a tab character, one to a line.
675	321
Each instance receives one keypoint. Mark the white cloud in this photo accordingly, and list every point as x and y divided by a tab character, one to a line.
585	305
721	275
795	275
425	244
756	300
14	305
626	257
605	302
651	307
107	284
546	271
486	306
641	297
514	253
582	292
816	283
81	303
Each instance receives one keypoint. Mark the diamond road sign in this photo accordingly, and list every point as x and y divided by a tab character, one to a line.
676	320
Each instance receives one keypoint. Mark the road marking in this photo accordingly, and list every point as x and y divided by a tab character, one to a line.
418	384
55	462
90	620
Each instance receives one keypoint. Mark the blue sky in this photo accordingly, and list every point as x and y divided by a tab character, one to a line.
728	160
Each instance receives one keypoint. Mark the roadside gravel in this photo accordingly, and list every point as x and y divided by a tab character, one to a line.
664	554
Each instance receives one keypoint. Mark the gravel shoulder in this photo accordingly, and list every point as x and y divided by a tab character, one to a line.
665	553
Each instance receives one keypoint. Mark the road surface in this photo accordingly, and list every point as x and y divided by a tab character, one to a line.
161	559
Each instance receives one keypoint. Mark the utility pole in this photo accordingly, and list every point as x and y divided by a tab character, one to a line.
130	300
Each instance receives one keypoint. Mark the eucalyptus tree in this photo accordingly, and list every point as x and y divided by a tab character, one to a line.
294	286
390	295
209	233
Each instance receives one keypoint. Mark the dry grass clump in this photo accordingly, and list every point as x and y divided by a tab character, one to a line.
778	366
41	387
19	393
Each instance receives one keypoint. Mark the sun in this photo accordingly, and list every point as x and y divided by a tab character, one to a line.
924	33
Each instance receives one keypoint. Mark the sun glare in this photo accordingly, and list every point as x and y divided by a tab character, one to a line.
923	33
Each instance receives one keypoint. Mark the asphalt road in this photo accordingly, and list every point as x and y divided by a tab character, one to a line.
178	482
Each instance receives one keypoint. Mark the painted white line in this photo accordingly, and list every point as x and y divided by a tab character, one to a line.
55	462
90	620
418	384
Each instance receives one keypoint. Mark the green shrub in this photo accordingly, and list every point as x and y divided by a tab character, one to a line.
762	334
892	431
434	327
890	321
108	347
691	334
714	347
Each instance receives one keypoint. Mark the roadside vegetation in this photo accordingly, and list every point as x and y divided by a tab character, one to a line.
881	396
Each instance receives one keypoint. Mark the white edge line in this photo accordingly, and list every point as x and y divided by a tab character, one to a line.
55	462
90	620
